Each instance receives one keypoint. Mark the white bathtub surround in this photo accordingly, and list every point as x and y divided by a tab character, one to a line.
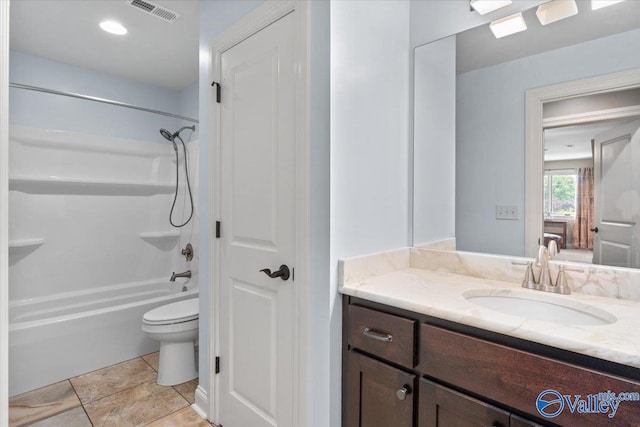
91	249
55	338
436	282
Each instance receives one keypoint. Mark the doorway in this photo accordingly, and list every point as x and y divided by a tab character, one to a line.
541	99
260	256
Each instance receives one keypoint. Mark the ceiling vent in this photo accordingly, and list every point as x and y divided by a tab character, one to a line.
155	10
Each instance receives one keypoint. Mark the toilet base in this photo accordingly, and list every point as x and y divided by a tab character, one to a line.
177	363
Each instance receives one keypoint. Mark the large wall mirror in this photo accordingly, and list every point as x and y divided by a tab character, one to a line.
472	137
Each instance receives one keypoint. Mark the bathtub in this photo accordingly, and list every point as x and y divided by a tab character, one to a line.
65	335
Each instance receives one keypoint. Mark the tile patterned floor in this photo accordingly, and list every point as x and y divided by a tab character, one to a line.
122	395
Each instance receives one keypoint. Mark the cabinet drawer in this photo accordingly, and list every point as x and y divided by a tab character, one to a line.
516	378
384	335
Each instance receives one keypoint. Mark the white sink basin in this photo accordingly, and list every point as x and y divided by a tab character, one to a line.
540	306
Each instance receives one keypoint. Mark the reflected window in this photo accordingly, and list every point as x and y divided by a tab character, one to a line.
560	193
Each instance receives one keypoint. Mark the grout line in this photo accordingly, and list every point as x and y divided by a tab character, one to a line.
118	391
81	404
145	361
154	380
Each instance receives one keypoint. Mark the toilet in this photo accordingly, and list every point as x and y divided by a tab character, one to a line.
175	325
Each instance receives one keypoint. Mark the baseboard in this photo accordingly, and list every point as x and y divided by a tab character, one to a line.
202	403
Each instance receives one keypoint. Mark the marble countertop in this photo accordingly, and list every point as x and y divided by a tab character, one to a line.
441	294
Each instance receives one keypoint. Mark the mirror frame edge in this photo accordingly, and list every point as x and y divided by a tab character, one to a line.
534	144
4	212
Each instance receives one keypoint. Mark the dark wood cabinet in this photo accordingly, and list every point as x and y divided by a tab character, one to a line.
377	395
464	376
389	337
442	407
516	421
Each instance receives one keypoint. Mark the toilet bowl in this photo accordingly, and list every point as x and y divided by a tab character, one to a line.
175	325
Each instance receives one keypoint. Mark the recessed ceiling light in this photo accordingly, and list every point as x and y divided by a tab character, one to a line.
508	25
113	27
599	4
486	6
556	10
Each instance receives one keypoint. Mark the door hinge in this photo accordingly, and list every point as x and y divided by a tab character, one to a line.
217	229
217	364
218	89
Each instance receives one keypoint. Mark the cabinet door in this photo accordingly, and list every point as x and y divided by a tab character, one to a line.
443	407
377	395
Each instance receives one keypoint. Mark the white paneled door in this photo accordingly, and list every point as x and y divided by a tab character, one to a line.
257	205
617	196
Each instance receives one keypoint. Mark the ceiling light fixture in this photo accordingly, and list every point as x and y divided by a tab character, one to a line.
113	27
486	6
556	10
599	4
508	25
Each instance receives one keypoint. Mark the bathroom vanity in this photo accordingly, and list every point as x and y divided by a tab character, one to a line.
417	351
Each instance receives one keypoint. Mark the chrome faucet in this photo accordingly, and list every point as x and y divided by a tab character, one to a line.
175	275
543	262
544	281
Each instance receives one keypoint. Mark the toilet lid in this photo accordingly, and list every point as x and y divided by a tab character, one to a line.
181	311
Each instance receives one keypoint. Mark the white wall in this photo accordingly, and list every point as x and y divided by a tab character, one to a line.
49	111
490	130
369	142
322	380
434	141
188	105
215	17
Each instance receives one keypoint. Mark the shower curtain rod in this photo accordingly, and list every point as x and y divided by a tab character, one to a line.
103	100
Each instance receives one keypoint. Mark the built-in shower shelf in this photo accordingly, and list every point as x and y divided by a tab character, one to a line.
25	243
58	185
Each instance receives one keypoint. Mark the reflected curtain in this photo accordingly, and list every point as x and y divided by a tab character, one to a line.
582	234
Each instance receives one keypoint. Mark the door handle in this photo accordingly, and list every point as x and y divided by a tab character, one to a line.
283	273
595	230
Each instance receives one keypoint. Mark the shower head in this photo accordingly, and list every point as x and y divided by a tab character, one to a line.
167	135
171	136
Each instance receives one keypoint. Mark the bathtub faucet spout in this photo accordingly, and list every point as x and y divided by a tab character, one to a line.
175	275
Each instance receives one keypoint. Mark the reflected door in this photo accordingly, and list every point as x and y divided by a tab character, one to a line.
617	196
258	219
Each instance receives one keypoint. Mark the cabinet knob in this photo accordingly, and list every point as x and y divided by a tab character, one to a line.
403	392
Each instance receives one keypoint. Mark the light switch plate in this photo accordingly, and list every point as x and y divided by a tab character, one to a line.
508	212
